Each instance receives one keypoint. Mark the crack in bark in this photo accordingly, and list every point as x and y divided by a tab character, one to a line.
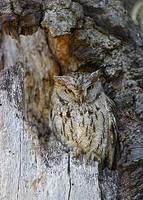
69	194
20	163
19	176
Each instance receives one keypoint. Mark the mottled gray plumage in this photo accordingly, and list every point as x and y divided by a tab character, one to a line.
82	118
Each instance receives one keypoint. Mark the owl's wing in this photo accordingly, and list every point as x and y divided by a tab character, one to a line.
112	130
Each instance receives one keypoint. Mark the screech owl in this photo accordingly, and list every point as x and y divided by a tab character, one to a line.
81	116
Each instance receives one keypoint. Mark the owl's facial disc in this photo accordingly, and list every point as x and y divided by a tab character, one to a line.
78	88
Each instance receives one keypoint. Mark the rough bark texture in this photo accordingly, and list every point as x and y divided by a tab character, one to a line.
40	39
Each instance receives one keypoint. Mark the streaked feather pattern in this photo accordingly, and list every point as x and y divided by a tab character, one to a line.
82	117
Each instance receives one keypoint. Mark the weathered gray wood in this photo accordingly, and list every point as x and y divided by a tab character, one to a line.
88	35
24	175
85	181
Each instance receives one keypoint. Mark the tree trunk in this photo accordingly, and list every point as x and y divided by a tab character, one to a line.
41	39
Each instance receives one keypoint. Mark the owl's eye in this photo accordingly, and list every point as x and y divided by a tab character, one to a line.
90	87
68	91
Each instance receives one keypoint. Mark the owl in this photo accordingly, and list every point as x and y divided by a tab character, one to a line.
82	118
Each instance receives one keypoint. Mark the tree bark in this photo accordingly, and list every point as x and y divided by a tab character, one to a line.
41	39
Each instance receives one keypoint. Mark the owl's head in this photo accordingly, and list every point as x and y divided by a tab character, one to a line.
78	87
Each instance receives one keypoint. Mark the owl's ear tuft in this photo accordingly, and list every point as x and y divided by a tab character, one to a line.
95	75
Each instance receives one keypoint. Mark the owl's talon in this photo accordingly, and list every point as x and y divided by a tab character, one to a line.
78	153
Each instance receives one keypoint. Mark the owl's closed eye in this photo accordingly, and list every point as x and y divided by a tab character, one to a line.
77	89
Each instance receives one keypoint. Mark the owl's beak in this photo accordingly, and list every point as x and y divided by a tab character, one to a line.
82	96
81	99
